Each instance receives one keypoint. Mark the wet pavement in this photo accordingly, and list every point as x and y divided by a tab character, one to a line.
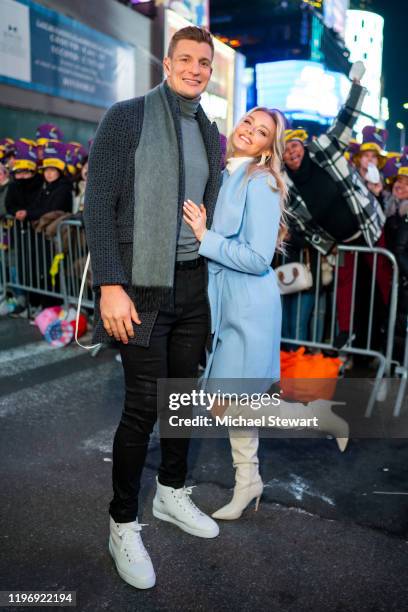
330	533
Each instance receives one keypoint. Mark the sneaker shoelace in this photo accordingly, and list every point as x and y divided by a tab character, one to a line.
132	542
184	496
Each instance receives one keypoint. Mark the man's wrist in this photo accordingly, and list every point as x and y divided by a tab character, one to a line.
111	288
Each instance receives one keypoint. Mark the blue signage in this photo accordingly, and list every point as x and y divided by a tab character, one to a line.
302	89
48	52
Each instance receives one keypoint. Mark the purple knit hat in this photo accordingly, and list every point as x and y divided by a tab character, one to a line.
76	155
390	170
48	131
25	155
352	149
81	152
374	135
54	155
403	166
6	147
374	139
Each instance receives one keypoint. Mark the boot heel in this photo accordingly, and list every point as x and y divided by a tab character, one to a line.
257	502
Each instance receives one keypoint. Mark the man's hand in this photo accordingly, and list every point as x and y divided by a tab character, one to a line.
21	215
118	312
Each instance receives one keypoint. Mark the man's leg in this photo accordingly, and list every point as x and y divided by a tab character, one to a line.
186	344
142	366
172	501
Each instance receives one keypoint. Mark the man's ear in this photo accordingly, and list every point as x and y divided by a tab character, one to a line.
166	65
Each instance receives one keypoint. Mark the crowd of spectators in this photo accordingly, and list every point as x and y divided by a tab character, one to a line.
42	180
345	192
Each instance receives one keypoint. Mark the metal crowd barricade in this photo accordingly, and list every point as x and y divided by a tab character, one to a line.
27	259
72	243
385	357
30	262
402	371
3	248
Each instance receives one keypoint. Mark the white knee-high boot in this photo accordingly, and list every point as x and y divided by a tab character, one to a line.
248	483
328	421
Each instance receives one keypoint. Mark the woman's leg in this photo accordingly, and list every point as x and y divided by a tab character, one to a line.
244	450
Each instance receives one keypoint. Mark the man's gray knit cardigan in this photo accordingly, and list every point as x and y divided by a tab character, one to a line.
110	201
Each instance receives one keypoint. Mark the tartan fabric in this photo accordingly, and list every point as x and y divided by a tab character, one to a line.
328	152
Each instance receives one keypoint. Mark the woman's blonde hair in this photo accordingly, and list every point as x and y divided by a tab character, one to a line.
273	164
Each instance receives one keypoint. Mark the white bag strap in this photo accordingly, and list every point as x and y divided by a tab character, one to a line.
78	312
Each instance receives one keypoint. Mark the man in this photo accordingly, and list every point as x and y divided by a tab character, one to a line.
148	156
332	205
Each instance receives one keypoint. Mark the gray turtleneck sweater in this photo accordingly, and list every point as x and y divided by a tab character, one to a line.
196	173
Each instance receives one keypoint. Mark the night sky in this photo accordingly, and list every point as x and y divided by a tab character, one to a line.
395	62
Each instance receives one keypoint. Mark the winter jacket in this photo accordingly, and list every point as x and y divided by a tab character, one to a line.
51	197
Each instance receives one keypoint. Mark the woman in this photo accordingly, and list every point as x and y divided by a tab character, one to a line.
79	198
244	295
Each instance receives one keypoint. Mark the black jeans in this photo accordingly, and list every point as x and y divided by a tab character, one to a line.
176	345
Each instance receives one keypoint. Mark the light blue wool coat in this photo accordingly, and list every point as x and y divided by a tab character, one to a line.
244	296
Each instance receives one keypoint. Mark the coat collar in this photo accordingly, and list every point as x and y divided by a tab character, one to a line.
231	202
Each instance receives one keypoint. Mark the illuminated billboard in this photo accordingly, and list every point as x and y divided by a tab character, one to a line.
364	39
195	11
335	14
303	90
47	52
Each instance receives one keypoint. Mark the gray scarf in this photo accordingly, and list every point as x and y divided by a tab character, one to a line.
158	203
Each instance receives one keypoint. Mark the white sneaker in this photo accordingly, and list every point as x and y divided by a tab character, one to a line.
129	554
176	506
